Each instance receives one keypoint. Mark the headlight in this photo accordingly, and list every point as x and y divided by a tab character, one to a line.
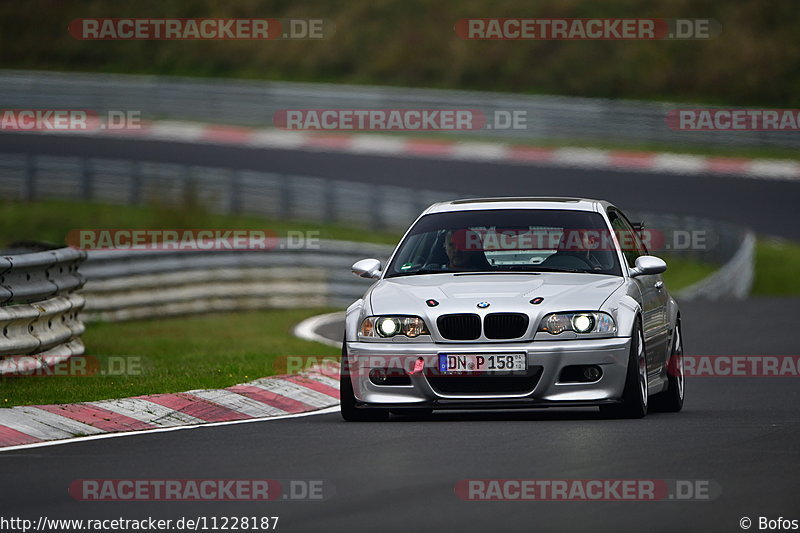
583	323
391	326
388	326
579	322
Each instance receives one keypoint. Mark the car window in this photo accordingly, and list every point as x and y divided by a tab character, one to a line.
507	240
637	235
629	241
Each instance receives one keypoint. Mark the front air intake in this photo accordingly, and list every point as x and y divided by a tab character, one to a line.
505	325
460	327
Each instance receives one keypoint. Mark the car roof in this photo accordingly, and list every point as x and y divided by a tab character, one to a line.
523	202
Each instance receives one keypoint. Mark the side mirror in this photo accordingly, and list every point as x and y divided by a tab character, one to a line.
368	268
648	264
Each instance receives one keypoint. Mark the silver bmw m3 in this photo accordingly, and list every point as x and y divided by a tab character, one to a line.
497	303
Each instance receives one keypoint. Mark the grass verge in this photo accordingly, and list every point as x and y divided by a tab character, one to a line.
51	220
777	268
682	272
173	355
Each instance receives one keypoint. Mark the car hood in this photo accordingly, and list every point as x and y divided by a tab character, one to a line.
509	292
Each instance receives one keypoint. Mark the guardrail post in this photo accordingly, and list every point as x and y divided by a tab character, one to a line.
286	196
376	208
331	207
235	205
86	178
135	195
188	192
29	188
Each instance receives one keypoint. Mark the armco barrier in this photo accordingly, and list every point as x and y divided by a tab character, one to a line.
254	103
31	177
129	284
32	277
39	312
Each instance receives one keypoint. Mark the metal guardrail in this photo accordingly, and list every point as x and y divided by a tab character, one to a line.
126	285
567	119
31	177
33	277
39	309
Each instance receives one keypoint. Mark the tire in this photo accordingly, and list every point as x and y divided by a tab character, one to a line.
347	399
671	400
635	394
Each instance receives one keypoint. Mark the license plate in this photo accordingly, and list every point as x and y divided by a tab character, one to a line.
481	362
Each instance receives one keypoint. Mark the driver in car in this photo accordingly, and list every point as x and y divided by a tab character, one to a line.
577	249
459	257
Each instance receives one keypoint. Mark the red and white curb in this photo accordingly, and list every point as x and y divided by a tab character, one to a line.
276	396
387	144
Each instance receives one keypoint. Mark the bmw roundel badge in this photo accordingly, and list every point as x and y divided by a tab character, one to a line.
483	305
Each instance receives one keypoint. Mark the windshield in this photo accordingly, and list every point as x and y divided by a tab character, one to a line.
507	240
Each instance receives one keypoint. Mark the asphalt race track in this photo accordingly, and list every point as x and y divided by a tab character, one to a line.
740	433
767	206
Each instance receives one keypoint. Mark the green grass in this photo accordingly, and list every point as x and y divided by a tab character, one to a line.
777	268
173	355
682	272
51	220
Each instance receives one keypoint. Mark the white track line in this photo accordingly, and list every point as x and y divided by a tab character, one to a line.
307	329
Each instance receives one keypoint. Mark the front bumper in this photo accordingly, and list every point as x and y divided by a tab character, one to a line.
538	388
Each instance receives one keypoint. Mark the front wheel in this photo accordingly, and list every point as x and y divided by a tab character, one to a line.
347	399
671	400
635	394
